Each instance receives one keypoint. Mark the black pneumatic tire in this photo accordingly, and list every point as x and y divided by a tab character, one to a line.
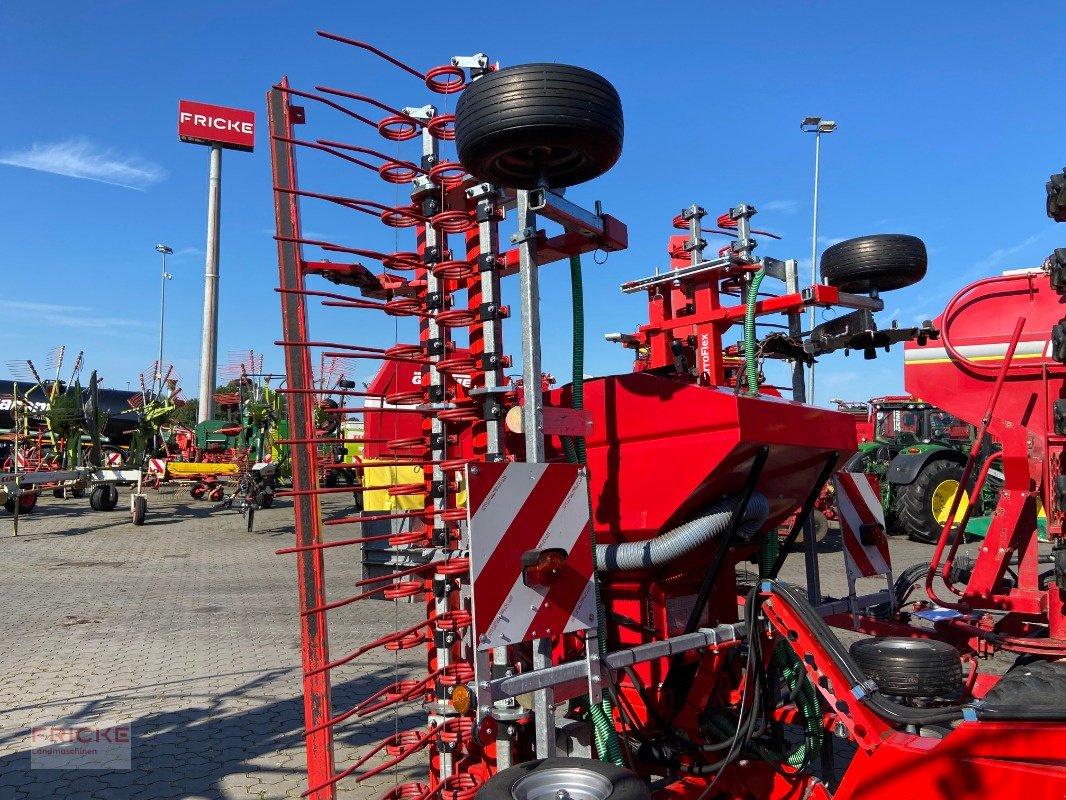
881	262
103	498
909	667
140	509
562	122
914	501
1040	683
533	781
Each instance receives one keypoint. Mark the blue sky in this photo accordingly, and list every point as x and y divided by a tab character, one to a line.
946	131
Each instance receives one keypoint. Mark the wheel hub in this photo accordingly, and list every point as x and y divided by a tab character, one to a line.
943	495
562	783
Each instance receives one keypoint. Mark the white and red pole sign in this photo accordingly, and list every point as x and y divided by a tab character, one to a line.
219	126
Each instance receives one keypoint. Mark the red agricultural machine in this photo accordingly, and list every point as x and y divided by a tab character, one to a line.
577	549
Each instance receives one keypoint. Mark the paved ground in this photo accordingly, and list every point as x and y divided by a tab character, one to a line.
186	629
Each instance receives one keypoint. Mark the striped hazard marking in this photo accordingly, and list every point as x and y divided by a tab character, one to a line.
157	466
859	503
514	509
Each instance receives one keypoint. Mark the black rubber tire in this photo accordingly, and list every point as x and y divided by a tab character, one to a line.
1037	683
821	527
264	499
914	501
27	502
907	667
103	497
140	509
881	262
552	121
329	480
358	496
198	491
59	493
623	784
77	493
1056	197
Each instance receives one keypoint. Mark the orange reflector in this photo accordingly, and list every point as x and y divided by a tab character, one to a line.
461	699
543	567
914	450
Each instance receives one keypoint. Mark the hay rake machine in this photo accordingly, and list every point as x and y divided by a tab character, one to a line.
576	551
57	444
227	461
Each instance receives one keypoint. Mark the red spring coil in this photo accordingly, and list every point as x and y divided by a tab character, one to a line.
460	365
463	786
402	742
410	398
401	589
457	317
678	251
408	641
403	307
725	221
454	674
453	270
397	172
406	791
400	690
453	464
399	262
447	221
404	217
418	538
461	414
408	443
446	79
448	174
453	620
404	351
442	127
451	514
455	566
407	489
398	129
680	223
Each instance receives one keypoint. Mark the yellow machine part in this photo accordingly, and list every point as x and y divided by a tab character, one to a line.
379	499
181	468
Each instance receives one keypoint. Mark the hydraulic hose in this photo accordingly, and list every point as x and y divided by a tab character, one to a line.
608	745
677	542
749	332
785	661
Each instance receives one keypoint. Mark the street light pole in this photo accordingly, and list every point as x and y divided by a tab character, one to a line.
817	126
166	276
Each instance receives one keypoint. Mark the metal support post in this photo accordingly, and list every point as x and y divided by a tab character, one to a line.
209	334
533	426
532	404
795	329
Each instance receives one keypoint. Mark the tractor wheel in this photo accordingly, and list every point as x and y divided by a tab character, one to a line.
1025	685
922	506
103	497
140	509
879	263
821	527
27	502
539	124
909	667
197	492
216	494
550	778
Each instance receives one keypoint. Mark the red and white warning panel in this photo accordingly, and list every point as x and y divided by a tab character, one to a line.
530	552
862	525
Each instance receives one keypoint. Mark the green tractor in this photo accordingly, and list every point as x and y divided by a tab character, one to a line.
918	451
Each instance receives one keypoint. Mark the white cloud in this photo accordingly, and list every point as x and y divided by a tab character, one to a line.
54	315
782	206
999	256
79	158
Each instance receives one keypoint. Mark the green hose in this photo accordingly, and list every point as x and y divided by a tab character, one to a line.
785	661
608	745
749	332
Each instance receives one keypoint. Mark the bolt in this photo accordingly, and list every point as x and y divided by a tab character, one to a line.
562	794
